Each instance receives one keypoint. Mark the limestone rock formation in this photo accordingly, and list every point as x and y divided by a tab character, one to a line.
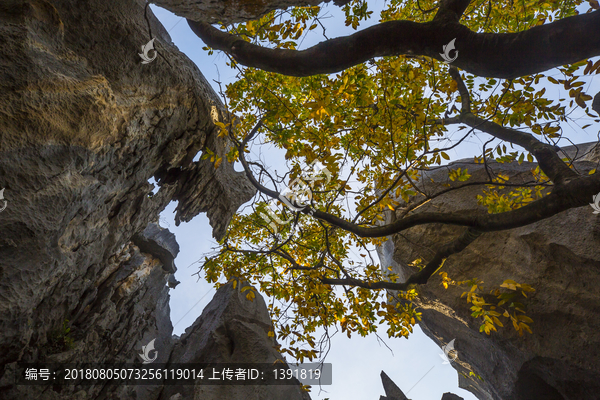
393	392
451	396
559	257
160	243
230	11
231	329
84	125
127	307
130	309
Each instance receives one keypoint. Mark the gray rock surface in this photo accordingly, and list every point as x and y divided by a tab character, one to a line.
559	257
127	308
392	391
230	11
451	396
219	192
160	243
172	282
231	329
83	127
596	103
75	165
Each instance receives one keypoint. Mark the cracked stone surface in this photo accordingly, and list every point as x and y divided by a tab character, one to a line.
559	257
85	271
160	243
230	11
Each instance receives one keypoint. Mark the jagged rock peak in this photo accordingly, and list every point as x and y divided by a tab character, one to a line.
393	392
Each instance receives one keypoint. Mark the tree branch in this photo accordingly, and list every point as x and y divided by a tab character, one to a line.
572	193
500	55
451	10
549	162
421	277
577	192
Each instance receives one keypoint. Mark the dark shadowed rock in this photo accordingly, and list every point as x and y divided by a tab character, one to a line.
392	391
217	191
451	396
229	11
231	329
172	282
83	127
160	243
127	308
596	103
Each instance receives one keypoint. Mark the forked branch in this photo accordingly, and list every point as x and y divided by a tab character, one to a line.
500	55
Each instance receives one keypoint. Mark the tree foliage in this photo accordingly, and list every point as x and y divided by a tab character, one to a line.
374	127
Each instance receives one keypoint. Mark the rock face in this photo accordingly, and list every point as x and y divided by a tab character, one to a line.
559	257
451	396
230	11
160	243
127	307
130	309
231	329
393	392
83	127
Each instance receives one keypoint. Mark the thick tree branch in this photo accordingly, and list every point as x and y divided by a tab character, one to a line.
549	162
421	277
577	192
501	55
451	10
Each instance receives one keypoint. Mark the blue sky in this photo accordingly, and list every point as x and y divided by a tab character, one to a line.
414	364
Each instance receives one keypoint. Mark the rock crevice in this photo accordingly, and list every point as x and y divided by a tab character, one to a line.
84	125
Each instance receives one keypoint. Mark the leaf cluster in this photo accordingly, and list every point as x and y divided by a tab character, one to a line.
504	301
375	127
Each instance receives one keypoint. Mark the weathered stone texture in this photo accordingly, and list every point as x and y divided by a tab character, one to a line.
125	308
230	11
231	329
392	391
83	127
559	257
160	243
